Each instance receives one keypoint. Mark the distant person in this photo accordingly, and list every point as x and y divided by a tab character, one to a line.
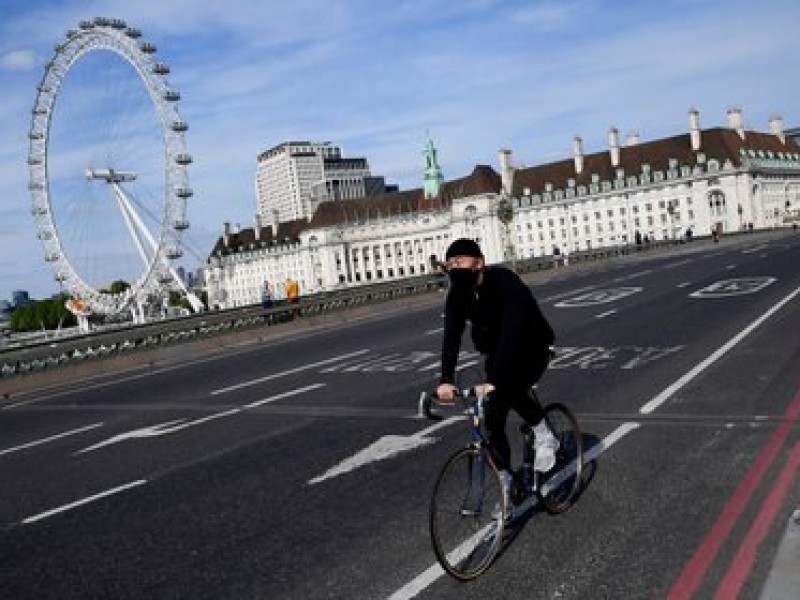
292	290
507	327
269	296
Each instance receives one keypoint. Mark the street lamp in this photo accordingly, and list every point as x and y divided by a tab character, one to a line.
505	213
671	213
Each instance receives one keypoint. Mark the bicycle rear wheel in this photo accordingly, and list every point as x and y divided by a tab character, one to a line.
562	482
466	513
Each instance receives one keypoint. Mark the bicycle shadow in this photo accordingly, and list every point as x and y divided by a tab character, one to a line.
533	506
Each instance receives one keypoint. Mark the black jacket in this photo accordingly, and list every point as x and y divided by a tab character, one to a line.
507	326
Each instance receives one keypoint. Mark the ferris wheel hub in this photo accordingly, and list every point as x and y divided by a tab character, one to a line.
110	175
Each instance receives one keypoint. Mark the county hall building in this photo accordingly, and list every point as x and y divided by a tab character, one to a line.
724	179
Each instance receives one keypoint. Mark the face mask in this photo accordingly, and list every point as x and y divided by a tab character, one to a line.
464	279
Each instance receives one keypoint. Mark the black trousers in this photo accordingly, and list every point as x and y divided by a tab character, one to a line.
512	396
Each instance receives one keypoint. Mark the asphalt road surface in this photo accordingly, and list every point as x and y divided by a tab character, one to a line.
298	467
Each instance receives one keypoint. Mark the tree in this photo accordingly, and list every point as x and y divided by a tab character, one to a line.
117	287
47	314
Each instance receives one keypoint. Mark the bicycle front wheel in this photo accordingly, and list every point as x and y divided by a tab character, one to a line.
564	480
467	513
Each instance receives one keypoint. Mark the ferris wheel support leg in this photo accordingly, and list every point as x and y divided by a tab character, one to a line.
137	312
136	226
130	216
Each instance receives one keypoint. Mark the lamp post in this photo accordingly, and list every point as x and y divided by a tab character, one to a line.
505	214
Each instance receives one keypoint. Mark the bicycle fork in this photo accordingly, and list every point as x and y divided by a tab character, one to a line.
472	503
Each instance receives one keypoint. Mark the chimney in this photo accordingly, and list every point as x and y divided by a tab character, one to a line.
273	222
694	128
776	127
506	171
257	228
613	146
578	152
735	121
633	138
226	233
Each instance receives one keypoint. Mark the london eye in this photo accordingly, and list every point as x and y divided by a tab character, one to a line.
108	172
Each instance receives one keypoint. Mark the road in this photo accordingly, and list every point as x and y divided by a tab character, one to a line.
298	468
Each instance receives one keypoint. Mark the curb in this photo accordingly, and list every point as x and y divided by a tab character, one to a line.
783	582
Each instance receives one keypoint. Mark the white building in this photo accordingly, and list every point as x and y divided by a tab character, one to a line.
293	178
723	178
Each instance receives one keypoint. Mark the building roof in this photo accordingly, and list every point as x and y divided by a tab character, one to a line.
717	143
482	180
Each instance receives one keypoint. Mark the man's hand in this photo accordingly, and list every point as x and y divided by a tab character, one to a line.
483	390
446	392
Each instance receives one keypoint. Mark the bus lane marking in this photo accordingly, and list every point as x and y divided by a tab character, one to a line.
696	569
593	298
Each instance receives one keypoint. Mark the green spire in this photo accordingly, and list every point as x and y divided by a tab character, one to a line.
433	179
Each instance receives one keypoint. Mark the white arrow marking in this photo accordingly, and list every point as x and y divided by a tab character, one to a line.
144	432
179	424
385	448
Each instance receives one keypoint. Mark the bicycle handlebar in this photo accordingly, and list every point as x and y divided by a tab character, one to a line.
427	399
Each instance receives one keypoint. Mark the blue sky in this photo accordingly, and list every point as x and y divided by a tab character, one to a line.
375	76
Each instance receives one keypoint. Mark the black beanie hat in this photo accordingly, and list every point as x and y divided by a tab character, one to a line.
464	247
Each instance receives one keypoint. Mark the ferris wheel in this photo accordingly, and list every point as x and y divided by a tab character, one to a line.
108	171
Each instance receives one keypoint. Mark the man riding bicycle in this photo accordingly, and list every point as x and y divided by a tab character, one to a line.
510	330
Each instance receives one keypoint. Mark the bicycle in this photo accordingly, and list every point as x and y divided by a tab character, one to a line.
468	510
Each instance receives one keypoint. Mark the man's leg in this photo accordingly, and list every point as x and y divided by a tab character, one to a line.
495	413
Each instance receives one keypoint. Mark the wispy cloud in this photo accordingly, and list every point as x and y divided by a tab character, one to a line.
18	60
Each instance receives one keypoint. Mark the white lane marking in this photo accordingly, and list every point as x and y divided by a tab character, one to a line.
386	447
301	390
608	313
569	293
181	424
684	284
714	357
730	267
755	249
328	361
603	296
50	439
734	287
434	331
637	275
435	571
83	501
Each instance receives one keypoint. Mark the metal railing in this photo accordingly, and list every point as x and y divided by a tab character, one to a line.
56	353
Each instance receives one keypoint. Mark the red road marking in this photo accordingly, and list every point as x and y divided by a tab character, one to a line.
695	570
746	557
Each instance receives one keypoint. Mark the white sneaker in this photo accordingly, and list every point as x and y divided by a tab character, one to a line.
546	446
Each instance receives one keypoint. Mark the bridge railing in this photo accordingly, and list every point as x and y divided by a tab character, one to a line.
56	353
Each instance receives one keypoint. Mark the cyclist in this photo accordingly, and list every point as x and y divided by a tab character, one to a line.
510	330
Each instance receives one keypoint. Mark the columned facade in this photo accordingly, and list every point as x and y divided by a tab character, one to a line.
721	179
